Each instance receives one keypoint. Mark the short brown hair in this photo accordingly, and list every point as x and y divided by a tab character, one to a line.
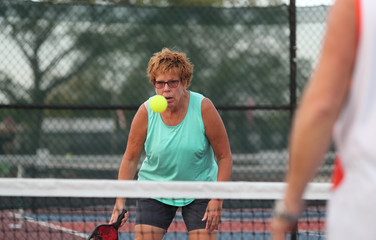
170	61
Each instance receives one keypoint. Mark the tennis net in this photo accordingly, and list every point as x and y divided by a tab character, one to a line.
70	209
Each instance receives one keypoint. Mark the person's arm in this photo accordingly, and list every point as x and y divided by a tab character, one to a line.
320	106
217	135
128	166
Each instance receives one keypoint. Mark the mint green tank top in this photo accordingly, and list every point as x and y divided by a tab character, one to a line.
178	153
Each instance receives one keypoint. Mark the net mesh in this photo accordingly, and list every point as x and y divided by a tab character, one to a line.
70	209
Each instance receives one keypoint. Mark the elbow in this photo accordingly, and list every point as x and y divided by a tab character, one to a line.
319	113
324	113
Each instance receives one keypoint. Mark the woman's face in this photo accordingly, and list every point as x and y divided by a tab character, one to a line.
170	86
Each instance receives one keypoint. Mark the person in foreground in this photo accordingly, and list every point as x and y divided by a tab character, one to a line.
181	144
341	97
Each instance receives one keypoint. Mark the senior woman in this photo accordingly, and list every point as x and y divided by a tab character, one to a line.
186	142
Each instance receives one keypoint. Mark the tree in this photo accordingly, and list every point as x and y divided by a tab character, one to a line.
55	53
97	54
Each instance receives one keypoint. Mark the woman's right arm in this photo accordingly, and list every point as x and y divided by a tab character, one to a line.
128	166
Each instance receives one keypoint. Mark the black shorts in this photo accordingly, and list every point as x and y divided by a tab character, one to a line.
155	213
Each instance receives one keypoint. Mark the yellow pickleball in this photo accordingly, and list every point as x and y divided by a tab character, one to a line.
158	103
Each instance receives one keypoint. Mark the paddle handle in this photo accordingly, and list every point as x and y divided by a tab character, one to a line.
121	216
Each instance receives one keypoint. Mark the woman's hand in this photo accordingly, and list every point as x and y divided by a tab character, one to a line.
213	214
115	216
118	208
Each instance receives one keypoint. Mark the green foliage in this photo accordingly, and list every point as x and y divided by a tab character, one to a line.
97	55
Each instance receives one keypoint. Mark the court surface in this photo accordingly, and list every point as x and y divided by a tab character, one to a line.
245	224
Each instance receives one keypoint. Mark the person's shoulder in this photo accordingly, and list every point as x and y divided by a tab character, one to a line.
143	109
145	105
206	104
196	95
196	98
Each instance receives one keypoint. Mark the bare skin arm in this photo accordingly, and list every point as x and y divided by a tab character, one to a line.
128	166
217	135
319	108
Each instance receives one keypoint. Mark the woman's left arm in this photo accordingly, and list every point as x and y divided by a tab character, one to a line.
216	133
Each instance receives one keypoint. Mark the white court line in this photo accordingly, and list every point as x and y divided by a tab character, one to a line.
50	225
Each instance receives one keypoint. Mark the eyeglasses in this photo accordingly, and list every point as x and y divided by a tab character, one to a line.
171	84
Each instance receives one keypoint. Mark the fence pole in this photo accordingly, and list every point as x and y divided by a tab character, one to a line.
293	85
293	48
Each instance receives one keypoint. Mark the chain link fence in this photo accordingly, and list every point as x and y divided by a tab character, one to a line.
73	74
